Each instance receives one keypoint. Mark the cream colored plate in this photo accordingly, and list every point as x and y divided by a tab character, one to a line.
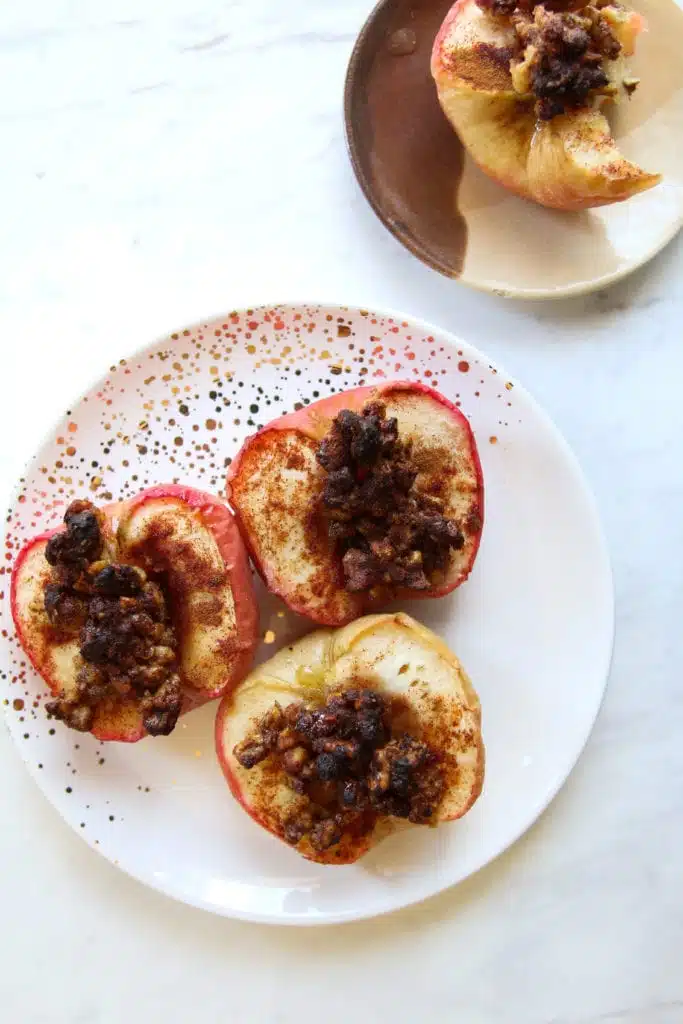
516	248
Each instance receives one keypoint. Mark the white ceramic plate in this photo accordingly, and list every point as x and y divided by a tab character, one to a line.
533	625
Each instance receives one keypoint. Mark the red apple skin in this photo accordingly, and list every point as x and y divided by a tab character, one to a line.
126	726
221	522
313	422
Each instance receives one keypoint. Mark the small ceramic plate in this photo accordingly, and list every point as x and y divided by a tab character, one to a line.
533	625
413	171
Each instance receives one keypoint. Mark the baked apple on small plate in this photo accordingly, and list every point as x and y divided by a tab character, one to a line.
525	148
524	85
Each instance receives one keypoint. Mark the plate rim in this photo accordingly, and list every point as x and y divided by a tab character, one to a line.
488	287
342	917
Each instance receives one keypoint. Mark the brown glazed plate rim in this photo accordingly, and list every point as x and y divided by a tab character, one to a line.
627	253
406	238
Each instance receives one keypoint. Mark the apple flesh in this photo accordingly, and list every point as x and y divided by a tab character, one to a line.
191	540
275	485
570	162
395	656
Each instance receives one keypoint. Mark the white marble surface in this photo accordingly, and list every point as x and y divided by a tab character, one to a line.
164	159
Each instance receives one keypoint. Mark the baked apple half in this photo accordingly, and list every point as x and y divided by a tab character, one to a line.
347	733
136	611
369	495
523	84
